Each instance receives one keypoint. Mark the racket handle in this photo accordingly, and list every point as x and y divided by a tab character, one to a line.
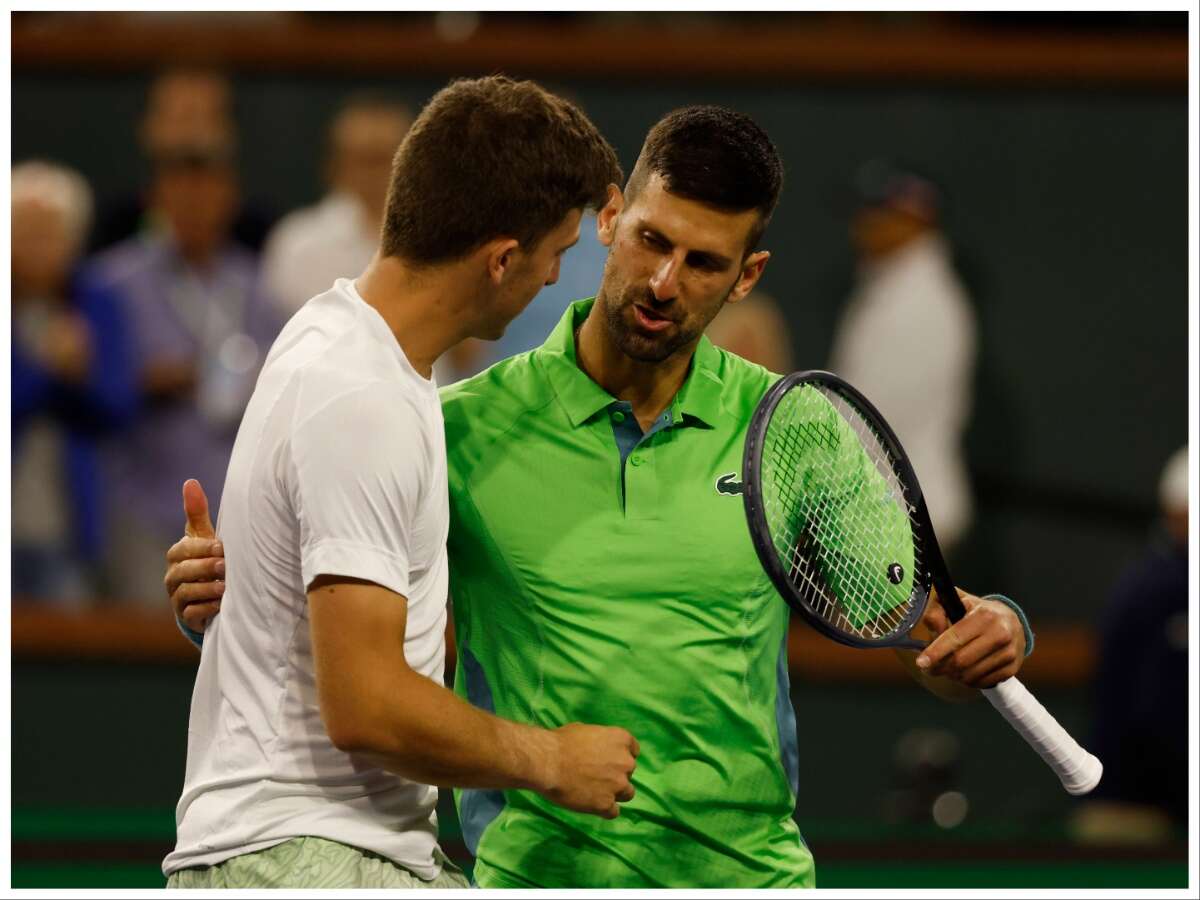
1078	770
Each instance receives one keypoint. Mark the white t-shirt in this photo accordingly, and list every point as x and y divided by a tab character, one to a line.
312	247
907	340
339	468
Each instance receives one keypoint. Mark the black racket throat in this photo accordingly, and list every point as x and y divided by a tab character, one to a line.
805	594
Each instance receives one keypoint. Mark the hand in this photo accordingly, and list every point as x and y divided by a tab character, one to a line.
66	347
983	648
195	578
592	769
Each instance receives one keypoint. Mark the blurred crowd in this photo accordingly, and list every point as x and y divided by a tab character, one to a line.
138	329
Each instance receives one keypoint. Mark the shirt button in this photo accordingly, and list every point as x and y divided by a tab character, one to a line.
618	416
636	460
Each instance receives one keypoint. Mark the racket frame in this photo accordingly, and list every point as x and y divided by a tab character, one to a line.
1078	770
934	572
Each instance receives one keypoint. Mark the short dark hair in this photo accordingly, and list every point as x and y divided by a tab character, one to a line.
716	156
491	157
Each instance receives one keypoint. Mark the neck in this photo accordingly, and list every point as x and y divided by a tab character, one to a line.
648	386
427	309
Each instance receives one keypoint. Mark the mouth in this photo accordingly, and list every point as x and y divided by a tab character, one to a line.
650	320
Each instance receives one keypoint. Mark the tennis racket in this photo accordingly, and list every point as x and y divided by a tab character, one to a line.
840	525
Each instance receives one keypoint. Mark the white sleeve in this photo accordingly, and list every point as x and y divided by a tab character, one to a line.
359	464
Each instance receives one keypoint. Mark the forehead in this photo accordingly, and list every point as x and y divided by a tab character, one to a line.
689	223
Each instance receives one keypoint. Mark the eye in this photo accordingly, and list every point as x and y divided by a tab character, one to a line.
653	240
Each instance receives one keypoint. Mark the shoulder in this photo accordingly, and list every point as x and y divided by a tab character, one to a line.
341	365
498	393
302	228
350	407
122	263
479	411
91	293
743	383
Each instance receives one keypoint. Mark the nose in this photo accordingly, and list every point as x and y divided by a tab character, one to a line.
553	276
665	280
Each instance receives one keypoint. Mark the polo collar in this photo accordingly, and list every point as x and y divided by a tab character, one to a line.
699	400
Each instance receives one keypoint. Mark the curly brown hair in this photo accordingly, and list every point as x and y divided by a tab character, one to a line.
491	157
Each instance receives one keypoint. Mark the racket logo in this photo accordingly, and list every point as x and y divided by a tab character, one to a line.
727	485
895	573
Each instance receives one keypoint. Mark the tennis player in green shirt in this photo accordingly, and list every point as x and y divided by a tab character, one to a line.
600	565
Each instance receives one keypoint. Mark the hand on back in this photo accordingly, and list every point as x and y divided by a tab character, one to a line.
195	577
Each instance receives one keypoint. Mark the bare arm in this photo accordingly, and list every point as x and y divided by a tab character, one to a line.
374	705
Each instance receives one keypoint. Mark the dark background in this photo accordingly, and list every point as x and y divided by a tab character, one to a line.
1068	210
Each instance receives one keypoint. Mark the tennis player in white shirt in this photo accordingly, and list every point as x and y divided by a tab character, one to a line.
312	742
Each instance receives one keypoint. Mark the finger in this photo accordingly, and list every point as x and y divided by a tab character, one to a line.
611	813
195	507
994	678
634	747
984	635
968	600
990	670
194	548
196	616
971	647
208	569
934	656
625	794
934	618
196	592
985	647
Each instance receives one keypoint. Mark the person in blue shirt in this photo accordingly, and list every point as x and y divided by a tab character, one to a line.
72	384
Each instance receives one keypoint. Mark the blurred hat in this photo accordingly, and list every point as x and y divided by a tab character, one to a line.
883	183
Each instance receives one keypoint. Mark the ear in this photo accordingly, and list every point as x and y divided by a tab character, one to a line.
499	256
606	219
752	270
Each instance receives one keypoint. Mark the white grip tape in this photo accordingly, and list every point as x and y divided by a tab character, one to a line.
1078	770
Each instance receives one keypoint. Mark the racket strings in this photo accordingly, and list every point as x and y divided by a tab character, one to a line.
838	514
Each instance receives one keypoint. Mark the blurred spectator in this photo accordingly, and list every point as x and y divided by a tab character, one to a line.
310	248
755	329
186	107
72	382
201	327
907	338
1141	686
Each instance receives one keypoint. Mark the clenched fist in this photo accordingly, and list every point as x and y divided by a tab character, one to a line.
591	769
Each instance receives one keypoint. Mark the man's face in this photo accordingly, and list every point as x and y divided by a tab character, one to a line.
531	271
878	231
364	142
672	264
43	246
199	203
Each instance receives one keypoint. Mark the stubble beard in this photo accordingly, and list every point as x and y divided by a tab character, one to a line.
642	347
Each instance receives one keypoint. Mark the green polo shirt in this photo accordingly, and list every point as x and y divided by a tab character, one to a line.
595	585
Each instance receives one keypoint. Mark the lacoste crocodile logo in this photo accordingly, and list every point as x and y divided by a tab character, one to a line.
727	485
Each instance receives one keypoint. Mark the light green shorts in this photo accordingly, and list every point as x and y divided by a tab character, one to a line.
313	862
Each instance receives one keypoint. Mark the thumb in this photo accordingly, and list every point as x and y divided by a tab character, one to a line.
195	507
